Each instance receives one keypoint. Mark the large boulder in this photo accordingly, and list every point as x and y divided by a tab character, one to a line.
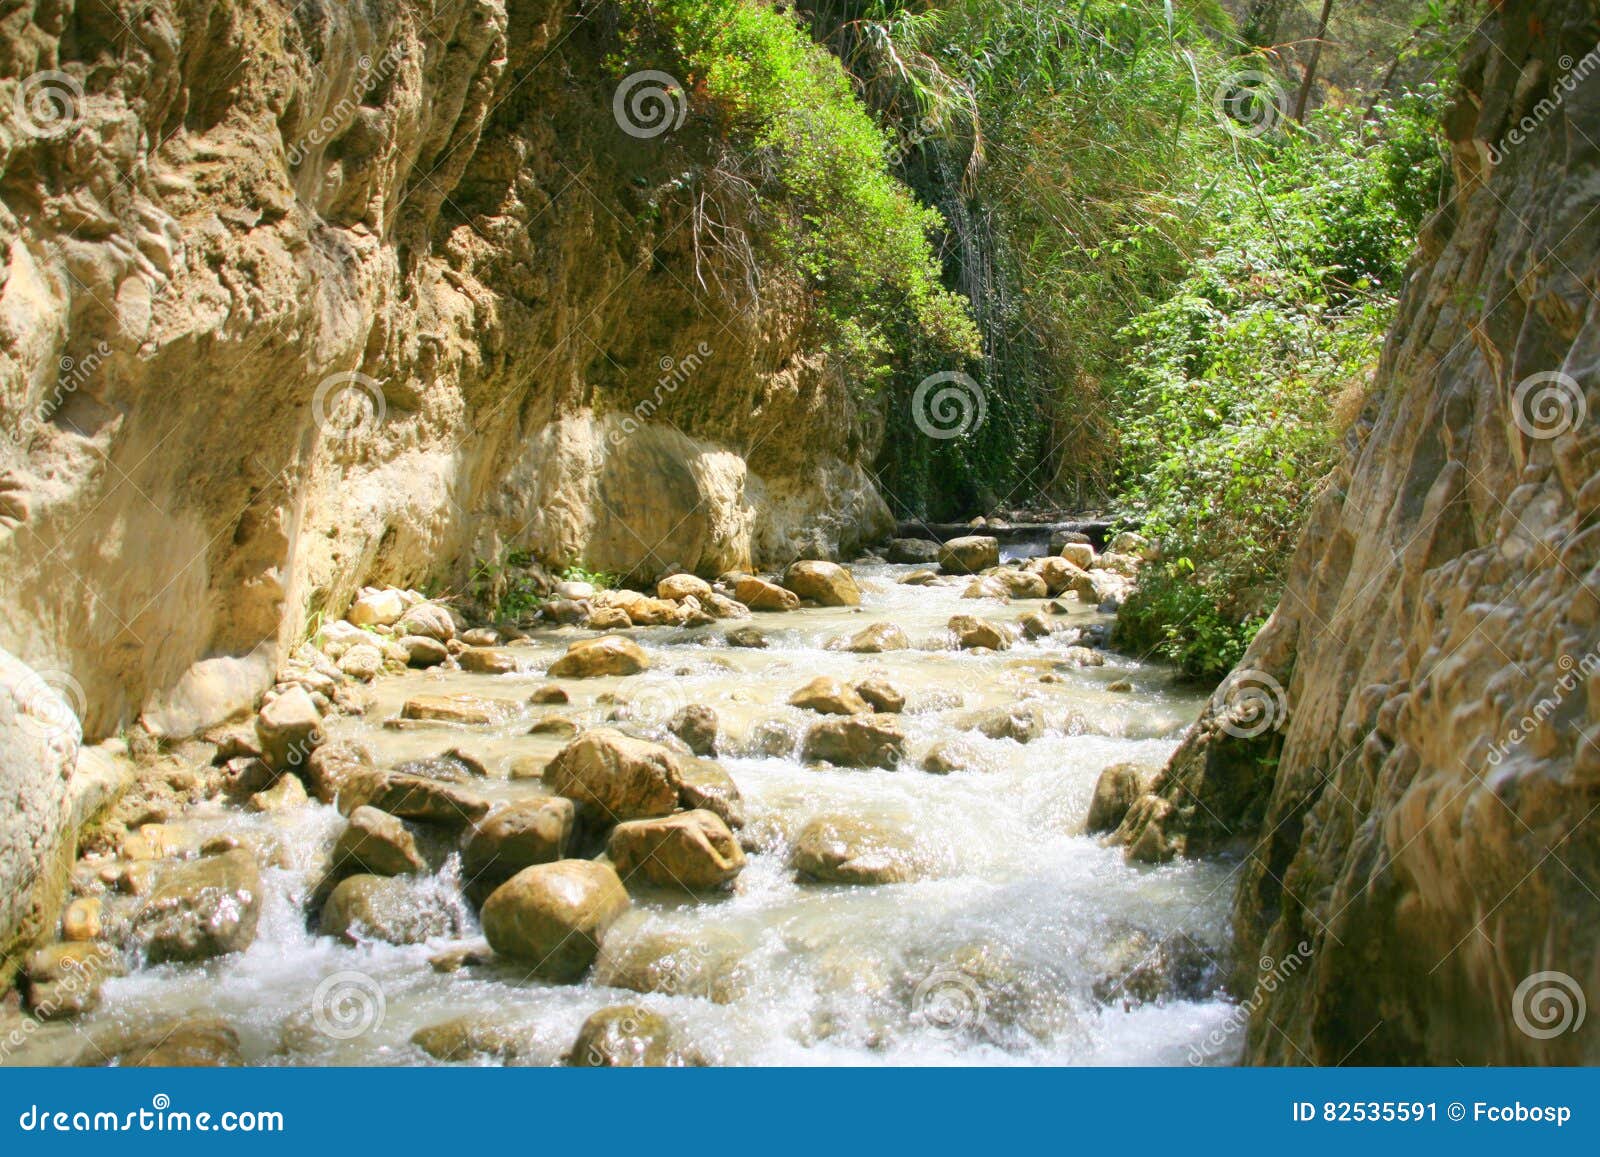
827	696
760	595
825	583
856	741
683	586
554	916
696	725
841	849
624	777
881	695
377	608
416	797
39	738
428	620
606	655
1079	554
1059	574
377	843
970	555
208	907
289	729
1023	584
517	836
691	850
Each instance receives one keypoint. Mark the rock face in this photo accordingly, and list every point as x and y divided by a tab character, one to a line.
1407	753
39	738
383	182
553	916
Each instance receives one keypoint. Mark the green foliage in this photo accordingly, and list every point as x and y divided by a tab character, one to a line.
601	580
819	162
505	588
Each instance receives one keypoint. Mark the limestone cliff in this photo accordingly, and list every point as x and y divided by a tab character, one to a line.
1408	755
297	297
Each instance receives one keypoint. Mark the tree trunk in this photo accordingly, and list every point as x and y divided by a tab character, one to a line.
1311	65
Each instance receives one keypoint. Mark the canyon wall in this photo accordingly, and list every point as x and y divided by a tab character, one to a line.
1407	761
295	298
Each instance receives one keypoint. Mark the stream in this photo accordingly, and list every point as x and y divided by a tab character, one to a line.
1020	941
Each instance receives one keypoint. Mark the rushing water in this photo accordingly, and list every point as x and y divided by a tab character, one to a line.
1014	947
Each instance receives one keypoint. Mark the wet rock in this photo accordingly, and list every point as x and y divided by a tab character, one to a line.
919	578
550	693
334	765
856	741
760	595
624	1037
951	755
702	963
453	766
1115	792
286	794
606	655
474	710
877	638
644	611
828	696
1144	830
624	777
848	850
722	607
429	620
288	730
1059	574
1081	657
1121	686
986	587
609	619
416	797
881	696
749	637
477	1037
913	550
1022	722
487	661
970	555
972	632
554	916
480	637
557	726
1079	554
422	651
1035	626
393	909
1148	969
185	1042
378	844
204	908
691	850
683	586
474	953
515	837
704	783
363	662
84	919
696	725
64	980
377	608
1021	584
568	612
825	583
